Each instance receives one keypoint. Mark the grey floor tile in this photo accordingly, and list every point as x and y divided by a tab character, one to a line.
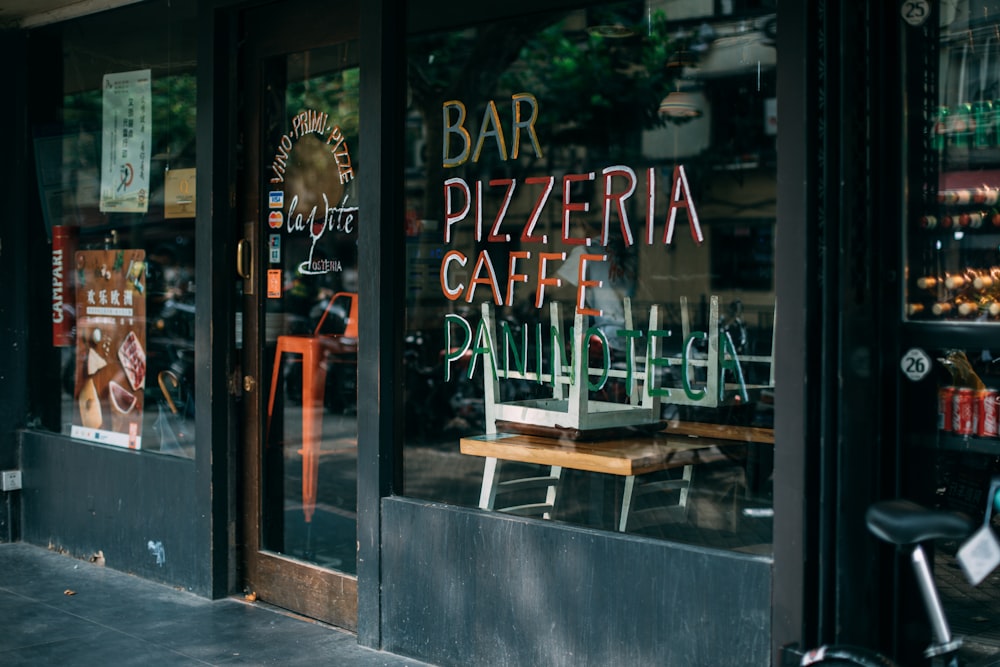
120	620
28	623
101	647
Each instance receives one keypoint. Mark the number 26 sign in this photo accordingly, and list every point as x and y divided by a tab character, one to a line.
916	364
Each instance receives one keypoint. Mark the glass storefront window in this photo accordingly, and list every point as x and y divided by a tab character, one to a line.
590	251
115	159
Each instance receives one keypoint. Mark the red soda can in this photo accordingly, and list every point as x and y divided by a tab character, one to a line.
986	417
963	411
945	398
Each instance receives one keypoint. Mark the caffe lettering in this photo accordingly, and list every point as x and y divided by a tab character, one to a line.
465	201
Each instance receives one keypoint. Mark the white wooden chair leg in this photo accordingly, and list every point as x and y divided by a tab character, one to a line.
682	501
488	494
627	497
550	495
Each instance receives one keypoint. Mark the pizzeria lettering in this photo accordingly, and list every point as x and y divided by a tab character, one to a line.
464	205
465	214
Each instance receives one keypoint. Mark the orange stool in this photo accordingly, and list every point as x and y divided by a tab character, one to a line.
313	385
311	347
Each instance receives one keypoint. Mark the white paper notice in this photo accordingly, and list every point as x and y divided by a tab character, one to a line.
980	555
126	142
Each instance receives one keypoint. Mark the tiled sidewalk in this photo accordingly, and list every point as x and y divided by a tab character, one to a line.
56	610
973	611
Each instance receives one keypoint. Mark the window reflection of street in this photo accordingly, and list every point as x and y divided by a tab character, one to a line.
329	538
309	377
635	117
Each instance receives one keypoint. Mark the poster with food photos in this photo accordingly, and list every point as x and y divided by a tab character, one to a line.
110	346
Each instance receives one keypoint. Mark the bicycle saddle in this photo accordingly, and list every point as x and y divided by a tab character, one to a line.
905	522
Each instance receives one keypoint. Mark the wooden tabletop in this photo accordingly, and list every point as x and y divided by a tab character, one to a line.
721	431
634	455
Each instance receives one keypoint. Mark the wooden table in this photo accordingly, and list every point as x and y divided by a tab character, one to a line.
764	436
627	457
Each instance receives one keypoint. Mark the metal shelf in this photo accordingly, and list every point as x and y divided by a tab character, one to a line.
939	335
957	443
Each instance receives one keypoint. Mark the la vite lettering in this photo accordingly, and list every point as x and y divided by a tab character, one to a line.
340	218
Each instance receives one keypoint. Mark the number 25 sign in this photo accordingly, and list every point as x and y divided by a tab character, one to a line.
915	12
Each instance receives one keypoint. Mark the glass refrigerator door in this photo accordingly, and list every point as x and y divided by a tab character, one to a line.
954	265
951	295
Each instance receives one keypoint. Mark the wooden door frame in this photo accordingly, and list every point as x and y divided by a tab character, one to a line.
316	592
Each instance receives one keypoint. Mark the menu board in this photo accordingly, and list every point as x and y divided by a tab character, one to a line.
110	346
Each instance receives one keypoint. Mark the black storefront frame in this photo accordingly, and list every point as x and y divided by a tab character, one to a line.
84	514
833	584
796	367
13	309
804	340
380	247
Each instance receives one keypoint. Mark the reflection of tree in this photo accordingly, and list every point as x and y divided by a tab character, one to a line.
172	114
173	117
335	93
594	91
465	66
312	170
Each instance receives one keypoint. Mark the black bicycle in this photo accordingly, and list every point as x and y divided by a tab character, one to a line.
909	526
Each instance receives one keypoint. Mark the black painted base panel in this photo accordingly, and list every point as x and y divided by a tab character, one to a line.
134	510
465	587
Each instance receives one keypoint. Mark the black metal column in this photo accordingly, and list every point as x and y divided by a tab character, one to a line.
381	262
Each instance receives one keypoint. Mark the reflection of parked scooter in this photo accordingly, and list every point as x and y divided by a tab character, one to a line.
333	315
435	406
734	325
170	349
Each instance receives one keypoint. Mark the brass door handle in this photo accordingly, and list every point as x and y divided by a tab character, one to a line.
244	266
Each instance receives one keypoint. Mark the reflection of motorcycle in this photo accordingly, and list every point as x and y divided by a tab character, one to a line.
170	355
170	364
418	386
735	327
732	325
435	406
